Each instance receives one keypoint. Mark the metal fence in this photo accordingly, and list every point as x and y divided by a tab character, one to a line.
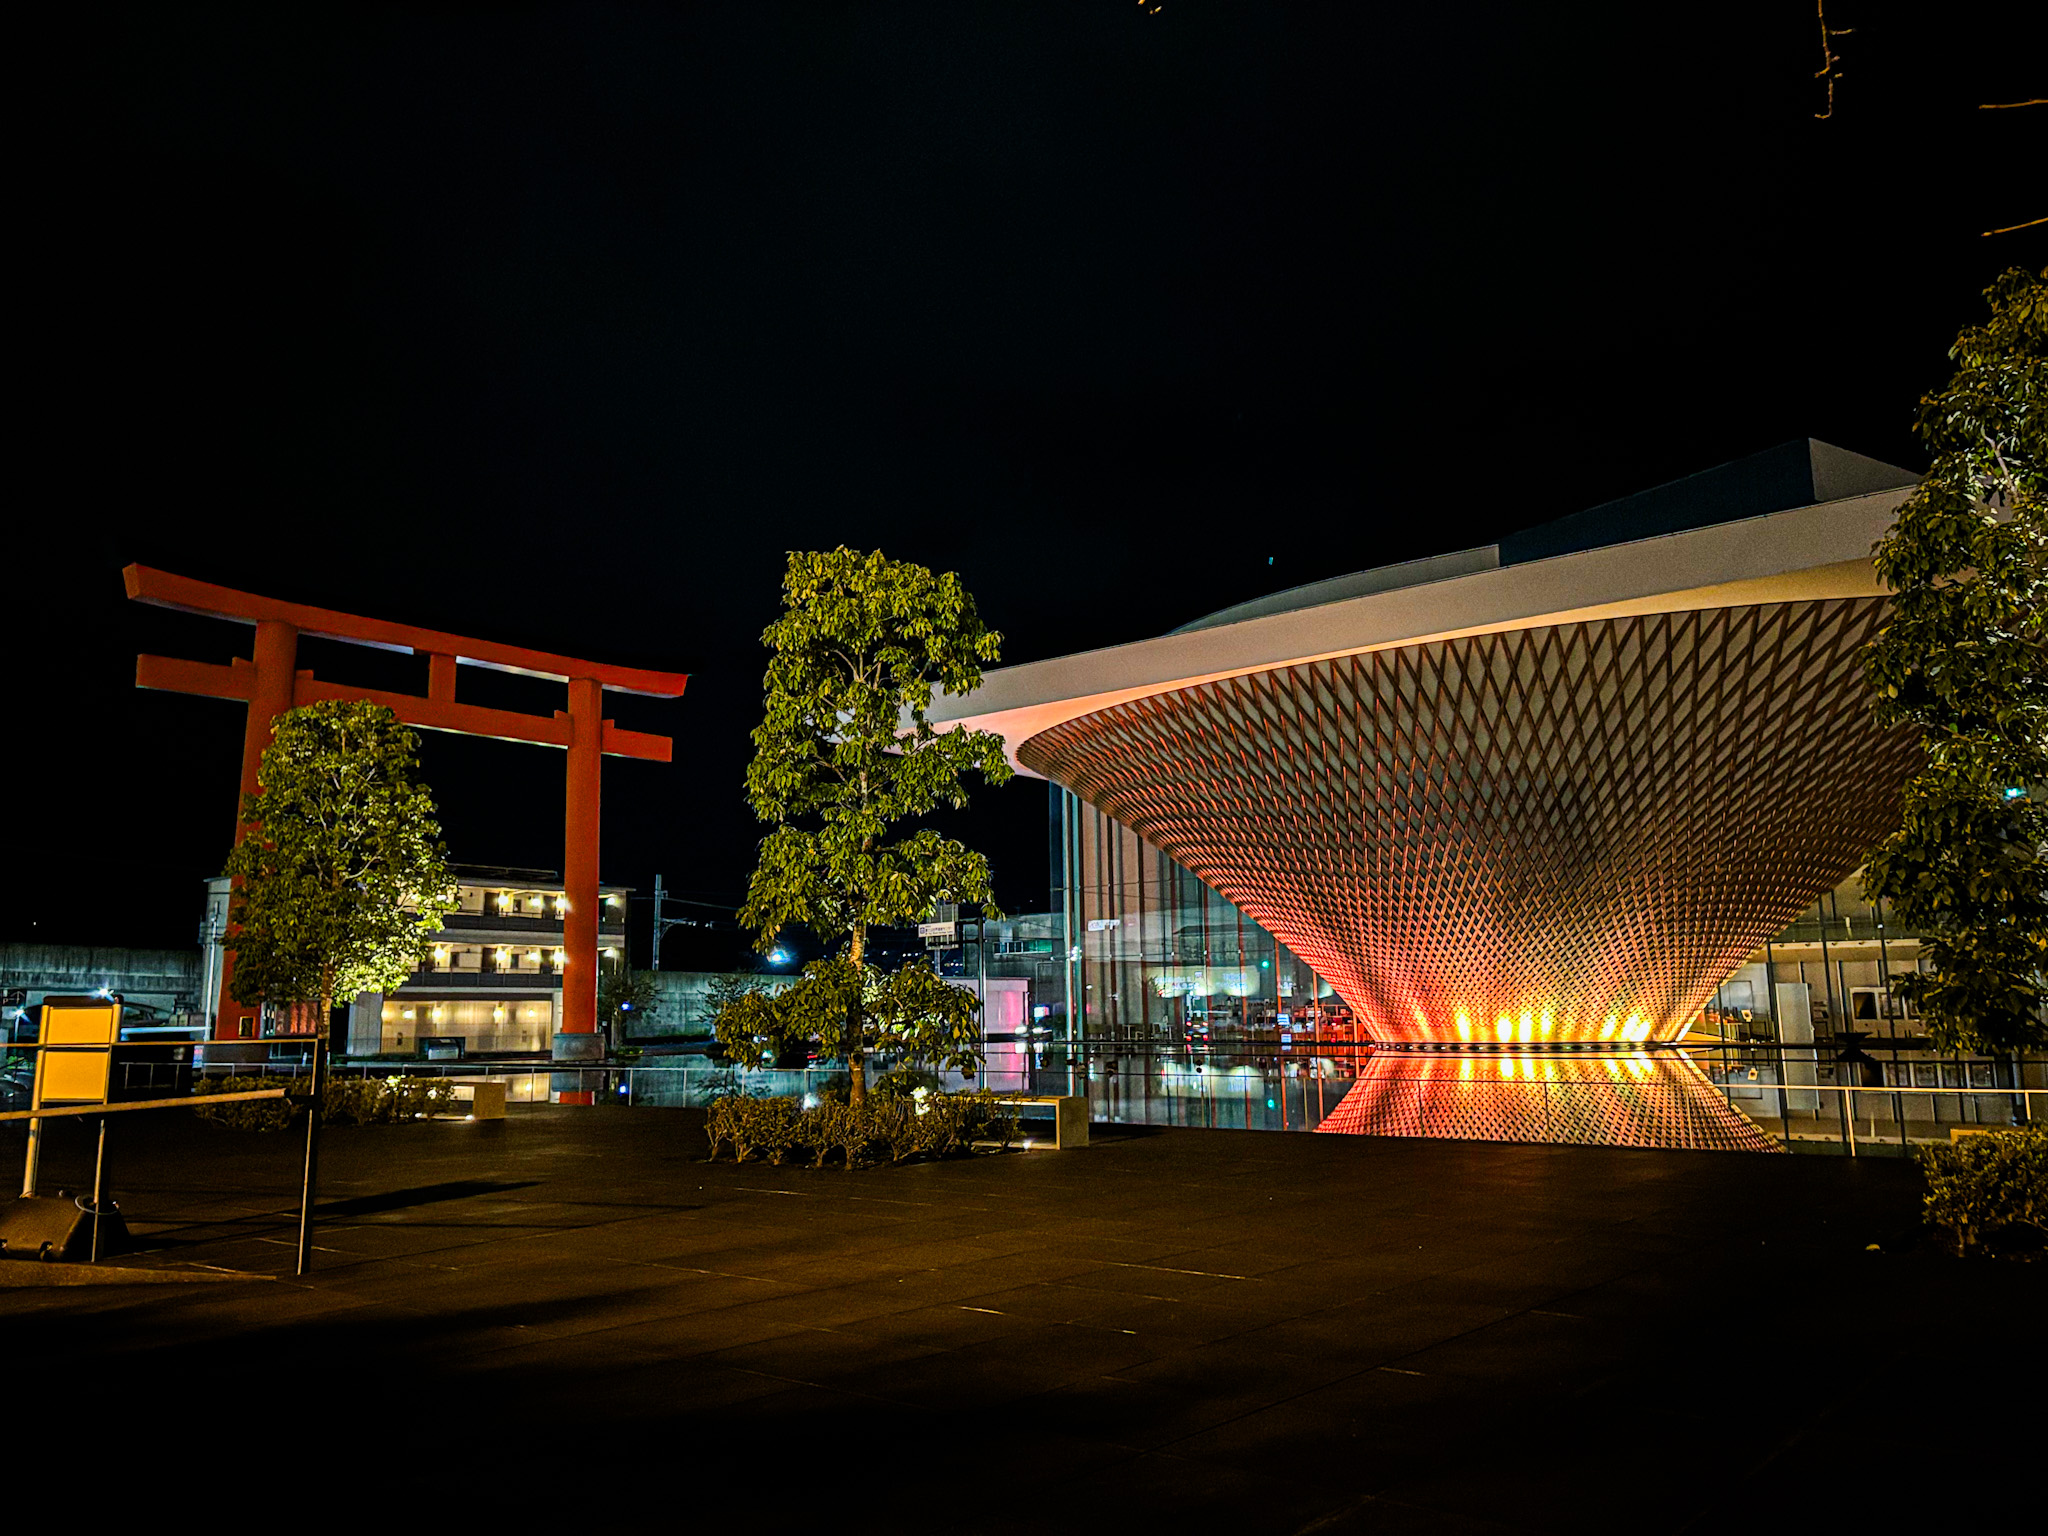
1802	1099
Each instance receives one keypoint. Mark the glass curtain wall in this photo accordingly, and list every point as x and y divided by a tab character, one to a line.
1154	957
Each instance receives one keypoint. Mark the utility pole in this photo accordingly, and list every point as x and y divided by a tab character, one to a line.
663	922
660	923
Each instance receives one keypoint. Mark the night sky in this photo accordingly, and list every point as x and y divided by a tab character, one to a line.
558	325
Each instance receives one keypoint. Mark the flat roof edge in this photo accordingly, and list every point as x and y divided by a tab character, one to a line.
1824	542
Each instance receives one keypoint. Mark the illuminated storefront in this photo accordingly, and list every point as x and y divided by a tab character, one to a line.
483	1025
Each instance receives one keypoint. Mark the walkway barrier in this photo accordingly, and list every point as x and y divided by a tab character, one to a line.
30	1214
1798	1098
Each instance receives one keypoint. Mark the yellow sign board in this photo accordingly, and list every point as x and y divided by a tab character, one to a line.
78	1036
76	1021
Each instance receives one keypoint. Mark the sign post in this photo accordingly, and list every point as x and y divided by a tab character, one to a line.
73	1066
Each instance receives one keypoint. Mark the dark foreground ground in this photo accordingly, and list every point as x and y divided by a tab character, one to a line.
1181	1330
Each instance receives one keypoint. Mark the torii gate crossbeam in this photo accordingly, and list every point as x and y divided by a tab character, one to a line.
270	683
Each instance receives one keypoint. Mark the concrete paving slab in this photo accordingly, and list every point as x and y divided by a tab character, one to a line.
1450	1337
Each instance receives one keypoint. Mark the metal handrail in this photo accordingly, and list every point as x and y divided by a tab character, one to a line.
183	1101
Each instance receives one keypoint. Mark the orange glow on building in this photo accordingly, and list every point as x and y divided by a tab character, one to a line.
1544	827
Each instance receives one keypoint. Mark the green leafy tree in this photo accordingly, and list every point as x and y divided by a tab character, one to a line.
1964	658
845	763
728	988
342	882
624	995
857	1013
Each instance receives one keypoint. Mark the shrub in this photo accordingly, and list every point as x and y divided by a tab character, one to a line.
258	1115
749	1125
351	1101
895	1123
348	1101
1983	1187
905	1082
384	1101
847	1130
924	1124
776	1127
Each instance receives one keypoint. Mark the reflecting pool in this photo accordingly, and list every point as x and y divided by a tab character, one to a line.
1637	1098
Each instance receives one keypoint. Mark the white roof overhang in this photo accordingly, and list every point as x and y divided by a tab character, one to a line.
1811	552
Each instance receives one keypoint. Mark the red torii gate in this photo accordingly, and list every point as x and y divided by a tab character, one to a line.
271	683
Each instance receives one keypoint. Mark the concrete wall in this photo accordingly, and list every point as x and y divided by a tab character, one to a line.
685	1007
166	978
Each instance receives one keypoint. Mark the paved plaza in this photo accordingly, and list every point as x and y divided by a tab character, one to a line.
1183	1330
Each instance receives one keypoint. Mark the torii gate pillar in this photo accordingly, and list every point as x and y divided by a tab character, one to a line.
579	855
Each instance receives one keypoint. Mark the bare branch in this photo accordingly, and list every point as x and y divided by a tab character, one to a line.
1828	57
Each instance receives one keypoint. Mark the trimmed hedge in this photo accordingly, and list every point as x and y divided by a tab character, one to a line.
1982	1189
887	1128
349	1101
261	1115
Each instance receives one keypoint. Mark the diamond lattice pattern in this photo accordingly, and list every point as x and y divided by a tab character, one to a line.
1632	1100
1543	835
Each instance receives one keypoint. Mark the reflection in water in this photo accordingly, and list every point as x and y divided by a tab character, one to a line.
1630	1098
1627	1099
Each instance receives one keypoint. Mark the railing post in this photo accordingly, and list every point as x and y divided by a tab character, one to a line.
99	1184
312	1177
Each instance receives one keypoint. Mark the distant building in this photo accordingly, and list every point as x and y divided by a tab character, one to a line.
492	985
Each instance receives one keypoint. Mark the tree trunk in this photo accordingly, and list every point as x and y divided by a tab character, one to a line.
324	1049
857	952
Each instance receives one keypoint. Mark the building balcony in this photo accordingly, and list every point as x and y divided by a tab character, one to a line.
485	981
481	925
